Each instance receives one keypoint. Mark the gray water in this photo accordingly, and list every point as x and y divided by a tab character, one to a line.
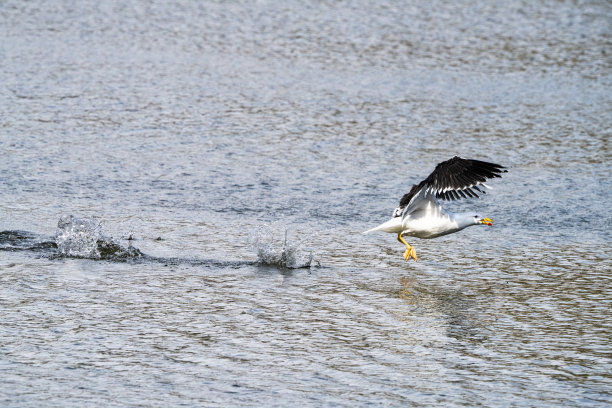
220	161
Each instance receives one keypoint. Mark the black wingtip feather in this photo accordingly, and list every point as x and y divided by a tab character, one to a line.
461	178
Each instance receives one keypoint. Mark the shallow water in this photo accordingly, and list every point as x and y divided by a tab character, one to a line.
211	147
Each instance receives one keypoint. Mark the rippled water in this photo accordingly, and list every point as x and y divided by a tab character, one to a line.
206	149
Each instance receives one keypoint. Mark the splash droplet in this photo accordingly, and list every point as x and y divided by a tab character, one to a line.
274	245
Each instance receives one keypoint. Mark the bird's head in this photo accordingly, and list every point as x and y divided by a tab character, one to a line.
484	221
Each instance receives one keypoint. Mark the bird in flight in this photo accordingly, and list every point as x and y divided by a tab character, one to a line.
420	214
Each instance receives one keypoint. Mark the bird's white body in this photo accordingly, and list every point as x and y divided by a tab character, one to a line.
429	221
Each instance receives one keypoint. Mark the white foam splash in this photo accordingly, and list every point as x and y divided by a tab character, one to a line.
83	238
78	237
274	246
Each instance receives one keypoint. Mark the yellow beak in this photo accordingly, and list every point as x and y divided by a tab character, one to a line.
486	221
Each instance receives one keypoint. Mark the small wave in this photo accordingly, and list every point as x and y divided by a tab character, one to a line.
273	247
83	238
24	241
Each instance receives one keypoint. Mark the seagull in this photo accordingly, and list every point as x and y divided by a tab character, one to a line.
420	214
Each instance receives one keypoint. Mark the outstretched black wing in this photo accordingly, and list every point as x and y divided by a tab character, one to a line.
455	179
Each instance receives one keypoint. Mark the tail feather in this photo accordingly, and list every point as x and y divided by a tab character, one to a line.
393	225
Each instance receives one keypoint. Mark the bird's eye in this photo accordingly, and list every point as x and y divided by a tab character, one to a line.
475	216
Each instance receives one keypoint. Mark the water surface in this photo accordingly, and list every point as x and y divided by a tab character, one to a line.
212	142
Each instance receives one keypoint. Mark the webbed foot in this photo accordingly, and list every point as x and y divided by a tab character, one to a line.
410	251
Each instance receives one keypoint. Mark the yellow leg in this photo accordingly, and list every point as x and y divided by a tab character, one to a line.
410	251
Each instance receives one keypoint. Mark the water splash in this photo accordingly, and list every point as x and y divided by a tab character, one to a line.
274	247
83	238
78	237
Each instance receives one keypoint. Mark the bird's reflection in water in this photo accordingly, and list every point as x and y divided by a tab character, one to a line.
457	313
